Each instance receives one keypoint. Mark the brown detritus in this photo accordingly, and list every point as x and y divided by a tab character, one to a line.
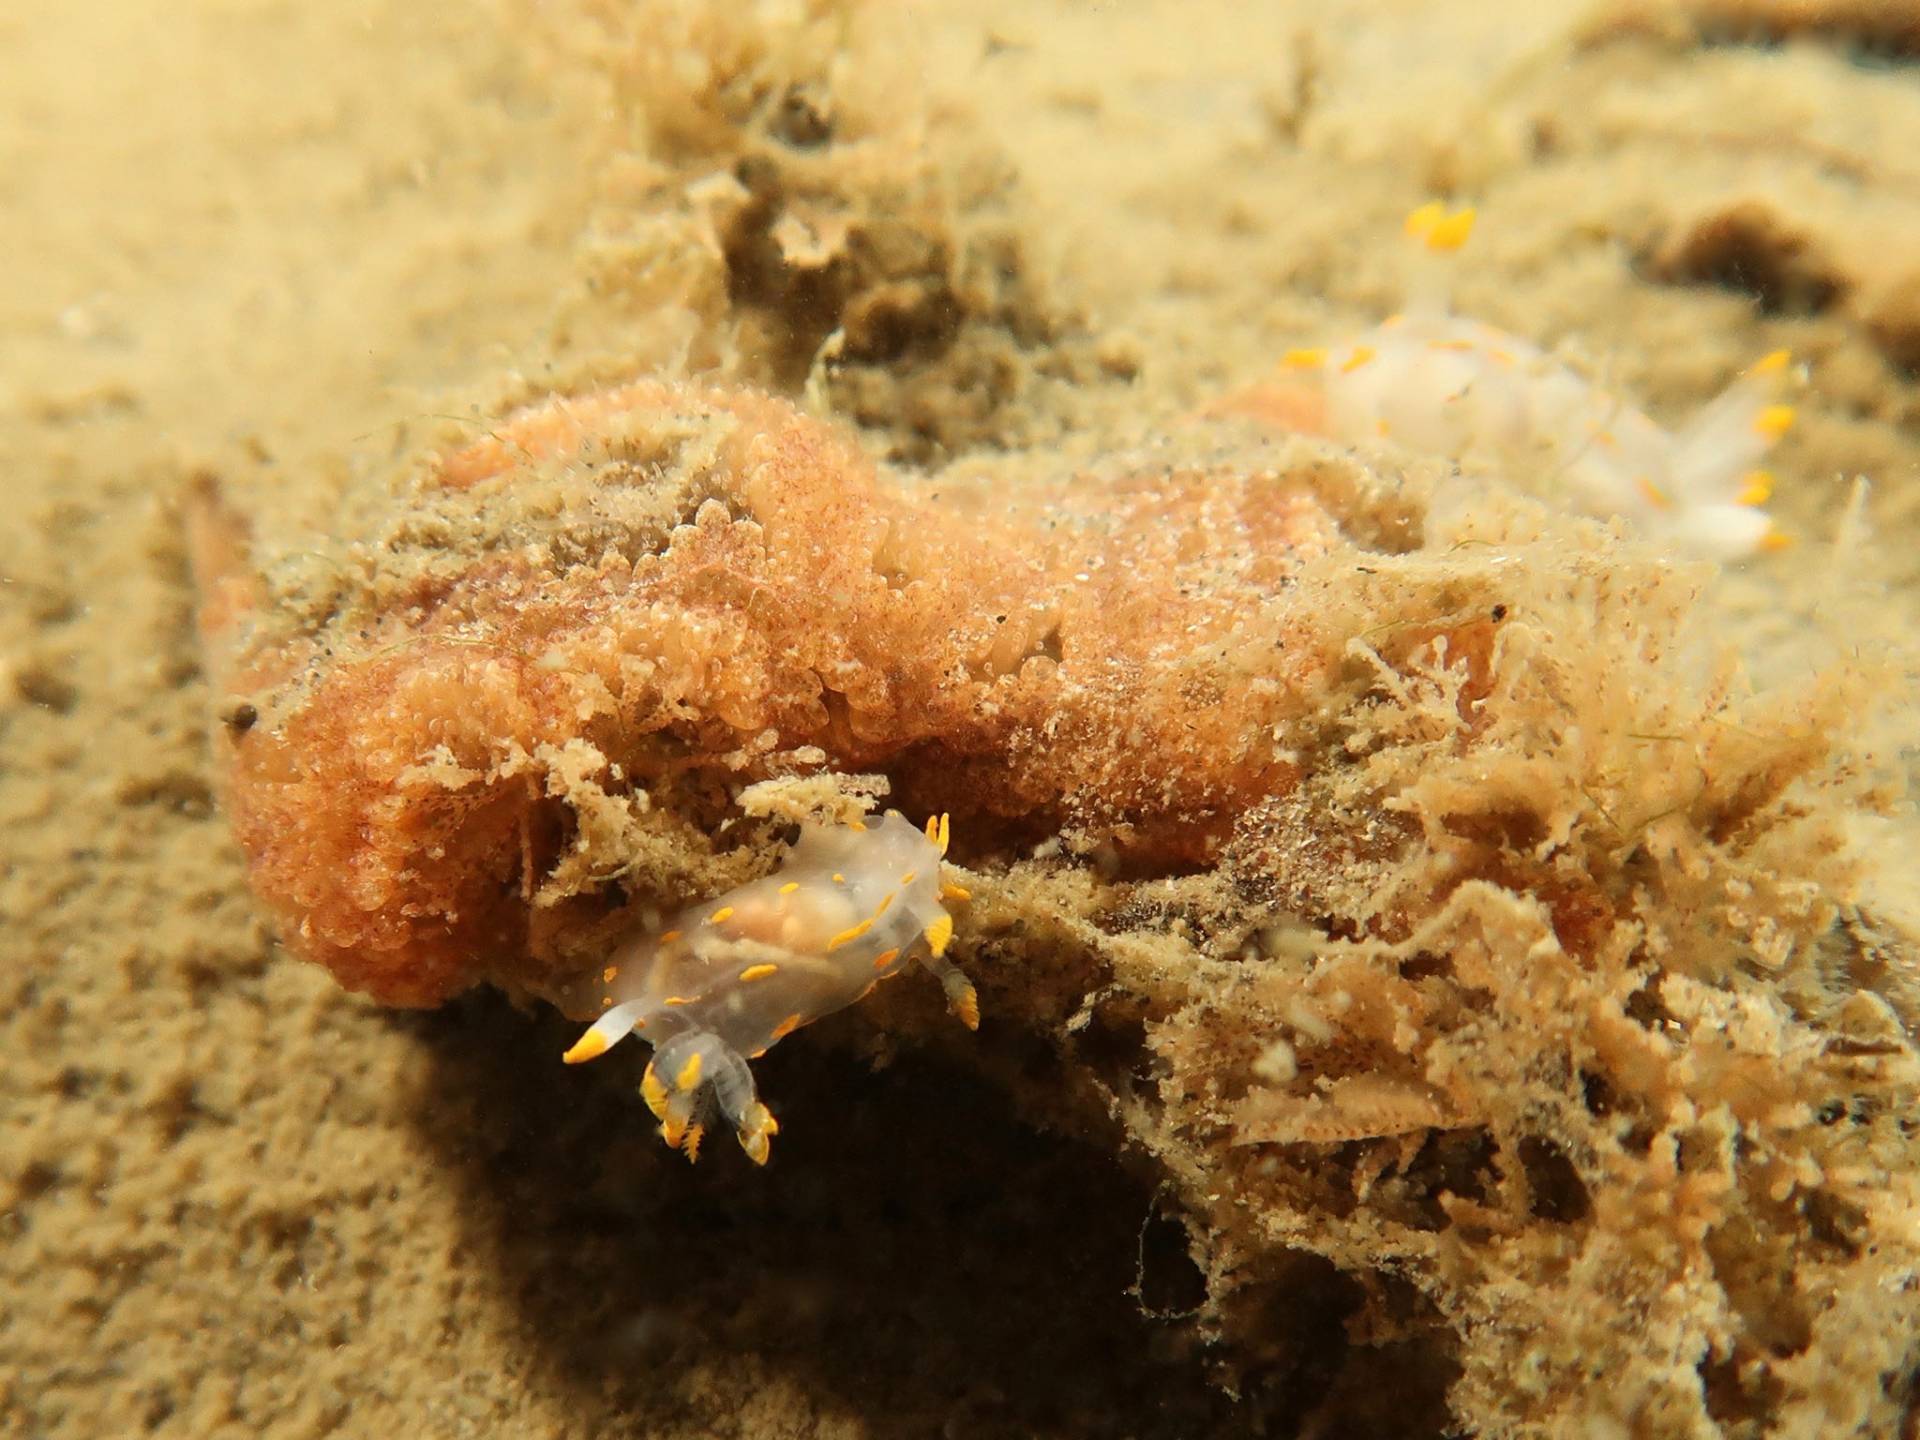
239	716
43	681
814	222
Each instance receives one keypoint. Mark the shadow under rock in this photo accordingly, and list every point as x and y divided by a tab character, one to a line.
912	1250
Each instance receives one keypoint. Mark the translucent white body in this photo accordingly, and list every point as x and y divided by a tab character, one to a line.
1434	382
1443	385
725	980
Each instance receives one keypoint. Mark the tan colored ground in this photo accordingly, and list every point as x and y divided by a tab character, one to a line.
283	242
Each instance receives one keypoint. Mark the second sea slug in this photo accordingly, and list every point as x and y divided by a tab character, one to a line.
1438	383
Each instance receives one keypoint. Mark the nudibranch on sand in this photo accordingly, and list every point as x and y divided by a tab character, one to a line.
1438	383
725	980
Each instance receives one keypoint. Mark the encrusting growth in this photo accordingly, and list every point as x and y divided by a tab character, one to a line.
726	980
663	593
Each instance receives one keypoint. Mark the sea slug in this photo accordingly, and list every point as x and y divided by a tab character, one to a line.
726	980
1438	383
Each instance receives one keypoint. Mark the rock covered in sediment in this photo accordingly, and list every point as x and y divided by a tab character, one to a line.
1420	900
597	622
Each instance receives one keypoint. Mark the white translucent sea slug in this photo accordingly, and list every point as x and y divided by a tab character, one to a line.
725	980
1438	383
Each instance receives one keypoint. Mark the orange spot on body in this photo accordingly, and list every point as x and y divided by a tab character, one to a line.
849	935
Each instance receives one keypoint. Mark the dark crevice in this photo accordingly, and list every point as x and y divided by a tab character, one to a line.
1869	32
1749	249
1559	1194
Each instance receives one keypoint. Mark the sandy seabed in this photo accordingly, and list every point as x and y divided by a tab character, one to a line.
292	245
